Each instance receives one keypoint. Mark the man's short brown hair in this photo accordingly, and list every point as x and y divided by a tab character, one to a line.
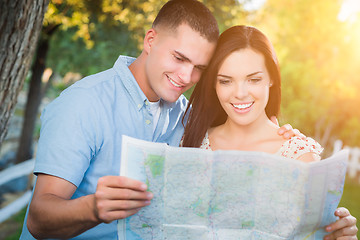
191	12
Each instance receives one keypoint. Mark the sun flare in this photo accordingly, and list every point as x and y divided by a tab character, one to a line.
349	11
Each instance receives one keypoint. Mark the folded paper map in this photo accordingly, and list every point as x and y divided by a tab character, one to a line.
202	194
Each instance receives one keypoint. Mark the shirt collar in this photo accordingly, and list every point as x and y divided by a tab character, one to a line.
121	67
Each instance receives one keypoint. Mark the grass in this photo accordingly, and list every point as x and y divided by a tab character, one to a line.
350	200
11	228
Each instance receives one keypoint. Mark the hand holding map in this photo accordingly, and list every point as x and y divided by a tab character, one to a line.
201	194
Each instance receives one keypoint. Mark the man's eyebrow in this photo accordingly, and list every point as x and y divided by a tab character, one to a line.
185	58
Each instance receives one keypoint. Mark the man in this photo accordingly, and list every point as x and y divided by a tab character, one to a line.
79	192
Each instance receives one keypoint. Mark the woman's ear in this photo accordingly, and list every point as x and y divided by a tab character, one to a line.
149	39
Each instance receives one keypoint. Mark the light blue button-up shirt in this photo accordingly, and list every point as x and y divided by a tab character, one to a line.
80	138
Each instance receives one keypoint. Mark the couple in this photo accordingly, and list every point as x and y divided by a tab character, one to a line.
79	193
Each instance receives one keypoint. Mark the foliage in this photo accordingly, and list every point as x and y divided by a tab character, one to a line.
93	33
318	56
70	55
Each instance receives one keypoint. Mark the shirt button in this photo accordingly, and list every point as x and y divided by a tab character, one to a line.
146	102
139	106
148	122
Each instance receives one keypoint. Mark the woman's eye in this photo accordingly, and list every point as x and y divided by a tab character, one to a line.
255	80
224	81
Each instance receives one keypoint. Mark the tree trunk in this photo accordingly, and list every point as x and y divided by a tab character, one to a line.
35	95
20	24
25	149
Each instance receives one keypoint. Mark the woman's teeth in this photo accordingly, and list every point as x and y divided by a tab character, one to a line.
242	106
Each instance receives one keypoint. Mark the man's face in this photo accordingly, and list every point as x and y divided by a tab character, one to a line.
175	62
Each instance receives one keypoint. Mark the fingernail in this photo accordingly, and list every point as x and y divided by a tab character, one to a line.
328	229
150	195
147	202
281	131
143	187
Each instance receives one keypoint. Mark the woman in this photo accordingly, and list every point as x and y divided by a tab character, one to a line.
233	101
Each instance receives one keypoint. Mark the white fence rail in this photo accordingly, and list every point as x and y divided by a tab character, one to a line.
11	173
353	169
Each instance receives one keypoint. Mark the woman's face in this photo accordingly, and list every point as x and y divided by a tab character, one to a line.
242	86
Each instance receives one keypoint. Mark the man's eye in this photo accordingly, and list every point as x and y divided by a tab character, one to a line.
201	69
178	58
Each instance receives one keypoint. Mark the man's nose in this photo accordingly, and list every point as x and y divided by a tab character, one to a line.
186	73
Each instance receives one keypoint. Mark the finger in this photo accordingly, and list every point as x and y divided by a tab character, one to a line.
108	217
343	222
284	128
287	134
341	212
344	233
122	182
291	133
121	194
297	133
347	238
274	120
120	205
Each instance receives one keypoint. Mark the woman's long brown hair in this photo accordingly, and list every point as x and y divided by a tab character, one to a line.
204	108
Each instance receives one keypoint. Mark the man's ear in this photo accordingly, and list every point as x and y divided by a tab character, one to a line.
149	39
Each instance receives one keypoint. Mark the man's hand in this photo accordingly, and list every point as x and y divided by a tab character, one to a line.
287	130
344	228
119	197
53	214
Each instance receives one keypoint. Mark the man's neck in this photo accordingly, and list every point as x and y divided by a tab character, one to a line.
137	68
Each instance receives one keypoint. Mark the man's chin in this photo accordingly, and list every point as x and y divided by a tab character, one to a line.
171	99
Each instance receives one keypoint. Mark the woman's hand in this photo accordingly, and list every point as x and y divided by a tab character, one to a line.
344	228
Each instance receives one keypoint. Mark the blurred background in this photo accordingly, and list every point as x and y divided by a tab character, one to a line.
317	42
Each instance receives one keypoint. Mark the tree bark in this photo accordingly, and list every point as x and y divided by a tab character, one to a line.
20	25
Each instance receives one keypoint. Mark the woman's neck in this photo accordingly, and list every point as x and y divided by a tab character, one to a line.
260	135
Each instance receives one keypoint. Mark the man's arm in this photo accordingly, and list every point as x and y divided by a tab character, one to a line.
53	214
287	131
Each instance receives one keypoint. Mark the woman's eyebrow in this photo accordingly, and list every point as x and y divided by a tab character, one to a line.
249	75
224	76
254	73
